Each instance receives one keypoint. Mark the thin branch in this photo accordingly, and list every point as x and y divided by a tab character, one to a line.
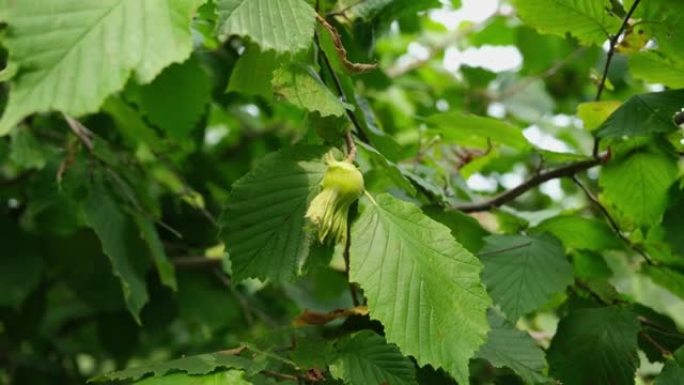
544	176
196	262
342	52
609	58
613	224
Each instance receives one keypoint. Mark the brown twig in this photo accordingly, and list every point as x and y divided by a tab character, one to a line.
544	176
196	262
609	58
342	52
664	351
83	133
613	223
338	87
351	147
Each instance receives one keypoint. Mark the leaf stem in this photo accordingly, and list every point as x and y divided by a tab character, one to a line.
609	58
613	224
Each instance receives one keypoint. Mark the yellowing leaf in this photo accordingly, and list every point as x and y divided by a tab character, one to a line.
593	114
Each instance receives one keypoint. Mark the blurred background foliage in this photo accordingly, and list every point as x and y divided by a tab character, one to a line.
112	255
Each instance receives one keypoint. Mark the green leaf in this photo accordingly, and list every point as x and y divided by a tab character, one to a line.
580	233
643	115
478	131
26	150
280	25
388	167
662	20
229	377
301	87
637	185
264	219
509	347
176	99
465	229
670	279
366	358
595	346
253	73
116	234
654	67
21	265
523	273
420	283
101	43
166	270
673	371
587	20
192	365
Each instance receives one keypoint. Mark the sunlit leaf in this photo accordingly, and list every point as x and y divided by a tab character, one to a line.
420	283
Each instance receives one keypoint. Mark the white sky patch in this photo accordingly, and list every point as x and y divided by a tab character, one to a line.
213	135
496	110
471	10
562	120
442	105
479	182
513	178
553	189
251	109
418	51
492	58
544	140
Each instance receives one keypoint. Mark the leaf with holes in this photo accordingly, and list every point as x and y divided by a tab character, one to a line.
643	115
279	25
300	86
420	283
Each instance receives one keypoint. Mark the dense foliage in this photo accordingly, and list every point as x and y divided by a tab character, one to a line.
363	192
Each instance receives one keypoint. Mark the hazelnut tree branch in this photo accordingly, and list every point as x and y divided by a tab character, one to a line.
609	58
567	170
